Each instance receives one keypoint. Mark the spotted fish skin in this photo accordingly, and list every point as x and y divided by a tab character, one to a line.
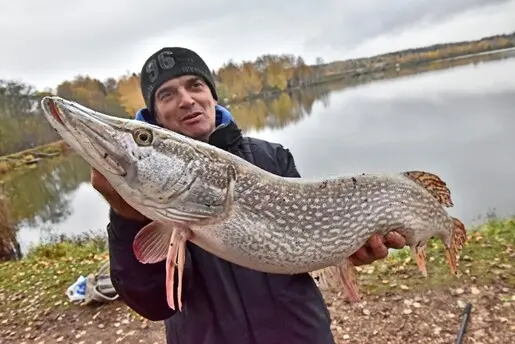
291	226
194	191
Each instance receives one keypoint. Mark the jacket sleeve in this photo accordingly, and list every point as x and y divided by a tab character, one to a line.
140	286
287	163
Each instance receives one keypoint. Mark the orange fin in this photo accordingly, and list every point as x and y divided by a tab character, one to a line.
432	183
419	252
459	236
349	277
342	276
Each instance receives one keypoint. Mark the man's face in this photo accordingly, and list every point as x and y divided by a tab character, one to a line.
186	105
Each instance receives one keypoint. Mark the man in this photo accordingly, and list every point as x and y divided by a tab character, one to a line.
223	302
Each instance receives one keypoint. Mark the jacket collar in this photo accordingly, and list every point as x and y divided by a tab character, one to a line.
226	135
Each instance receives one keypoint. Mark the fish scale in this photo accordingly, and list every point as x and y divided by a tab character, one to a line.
194	191
353	211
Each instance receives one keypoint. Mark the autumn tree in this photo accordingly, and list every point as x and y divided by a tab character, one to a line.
94	94
23	123
129	93
267	77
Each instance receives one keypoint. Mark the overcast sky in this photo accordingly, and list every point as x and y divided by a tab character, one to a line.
44	42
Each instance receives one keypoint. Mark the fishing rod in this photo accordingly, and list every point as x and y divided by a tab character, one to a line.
464	323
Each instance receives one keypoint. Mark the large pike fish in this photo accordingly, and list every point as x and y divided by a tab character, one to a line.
193	191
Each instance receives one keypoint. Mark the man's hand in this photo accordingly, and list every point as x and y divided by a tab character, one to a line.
112	197
377	248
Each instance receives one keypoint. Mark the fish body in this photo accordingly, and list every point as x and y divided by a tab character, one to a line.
282	225
246	215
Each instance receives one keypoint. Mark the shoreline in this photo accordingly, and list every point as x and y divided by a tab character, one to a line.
31	156
393	64
35	307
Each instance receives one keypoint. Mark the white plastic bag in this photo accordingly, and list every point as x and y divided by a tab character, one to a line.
77	291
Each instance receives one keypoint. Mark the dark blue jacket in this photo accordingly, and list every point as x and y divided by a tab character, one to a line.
223	303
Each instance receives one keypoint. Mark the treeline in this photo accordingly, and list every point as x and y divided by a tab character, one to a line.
268	74
23	125
416	56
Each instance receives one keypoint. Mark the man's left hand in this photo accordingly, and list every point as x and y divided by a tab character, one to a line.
377	248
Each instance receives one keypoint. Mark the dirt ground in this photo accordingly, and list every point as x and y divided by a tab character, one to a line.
398	316
428	317
398	304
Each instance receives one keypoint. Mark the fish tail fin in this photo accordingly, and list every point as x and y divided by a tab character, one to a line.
458	238
341	276
432	183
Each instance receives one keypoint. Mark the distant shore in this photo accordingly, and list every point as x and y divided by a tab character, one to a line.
348	73
30	157
352	69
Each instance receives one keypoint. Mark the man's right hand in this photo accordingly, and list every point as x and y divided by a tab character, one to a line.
102	185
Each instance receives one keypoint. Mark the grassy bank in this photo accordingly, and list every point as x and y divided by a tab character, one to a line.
39	280
33	304
488	254
34	307
30	157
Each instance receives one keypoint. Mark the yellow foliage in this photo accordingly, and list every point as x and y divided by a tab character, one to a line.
129	93
23	125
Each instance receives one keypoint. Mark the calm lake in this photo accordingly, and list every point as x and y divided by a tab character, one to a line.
457	122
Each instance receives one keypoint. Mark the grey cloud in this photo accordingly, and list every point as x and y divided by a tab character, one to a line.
41	38
353	24
62	33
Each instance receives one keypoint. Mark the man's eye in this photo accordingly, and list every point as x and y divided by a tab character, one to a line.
164	95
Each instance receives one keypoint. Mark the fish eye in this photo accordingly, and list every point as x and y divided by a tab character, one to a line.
142	137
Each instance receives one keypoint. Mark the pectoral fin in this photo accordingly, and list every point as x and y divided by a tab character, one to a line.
151	243
159	241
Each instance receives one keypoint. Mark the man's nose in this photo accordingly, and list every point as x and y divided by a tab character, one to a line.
186	100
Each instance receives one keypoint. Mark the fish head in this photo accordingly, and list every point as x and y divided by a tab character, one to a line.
141	161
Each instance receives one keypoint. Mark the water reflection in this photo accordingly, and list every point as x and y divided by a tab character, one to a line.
54	198
276	113
457	123
454	122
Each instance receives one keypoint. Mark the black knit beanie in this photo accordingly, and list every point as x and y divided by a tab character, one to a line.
169	63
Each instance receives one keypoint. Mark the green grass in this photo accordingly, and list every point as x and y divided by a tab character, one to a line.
38	282
488	254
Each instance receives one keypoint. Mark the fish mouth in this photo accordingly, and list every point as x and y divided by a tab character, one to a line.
89	133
